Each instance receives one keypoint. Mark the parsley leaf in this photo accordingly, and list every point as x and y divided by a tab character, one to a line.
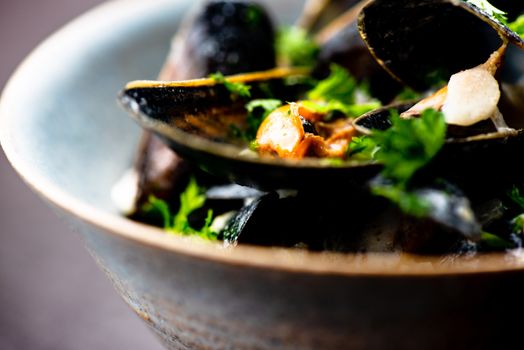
350	110
340	92
403	149
518	224
190	200
258	110
237	89
338	86
409	202
409	144
407	94
362	148
498	15
268	105
516	196
295	48
160	206
518	26
494	241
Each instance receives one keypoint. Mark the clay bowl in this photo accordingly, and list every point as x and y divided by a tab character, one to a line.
64	133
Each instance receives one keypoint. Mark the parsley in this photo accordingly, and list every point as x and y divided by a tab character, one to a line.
236	89
268	105
338	86
408	202
403	149
350	110
518	26
339	92
363	148
516	196
518	224
409	144
190	200
407	94
494	241
257	110
295	48
484	5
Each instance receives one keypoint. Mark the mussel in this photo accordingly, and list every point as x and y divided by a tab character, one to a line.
220	36
426	42
333	25
197	119
423	43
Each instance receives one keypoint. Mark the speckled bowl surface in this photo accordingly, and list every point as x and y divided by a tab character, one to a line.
64	133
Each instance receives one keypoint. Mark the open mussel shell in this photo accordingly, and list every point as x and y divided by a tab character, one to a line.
196	119
341	43
475	158
424	42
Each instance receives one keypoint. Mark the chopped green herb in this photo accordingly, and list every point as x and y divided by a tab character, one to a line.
338	92
518	26
190	200
498	15
295	48
494	241
350	110
409	202
161	207
338	86
335	162
268	105
253	145
206	231
408	94
237	89
362	148
516	196
518	224
257	110
409	144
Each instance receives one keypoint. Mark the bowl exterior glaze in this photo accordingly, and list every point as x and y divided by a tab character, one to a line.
194	303
198	296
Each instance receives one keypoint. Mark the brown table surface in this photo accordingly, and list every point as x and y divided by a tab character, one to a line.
52	295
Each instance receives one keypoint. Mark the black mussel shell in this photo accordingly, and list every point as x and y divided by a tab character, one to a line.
196	118
346	48
423	43
231	37
476	157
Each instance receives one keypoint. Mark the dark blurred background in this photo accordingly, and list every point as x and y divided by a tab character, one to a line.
52	295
